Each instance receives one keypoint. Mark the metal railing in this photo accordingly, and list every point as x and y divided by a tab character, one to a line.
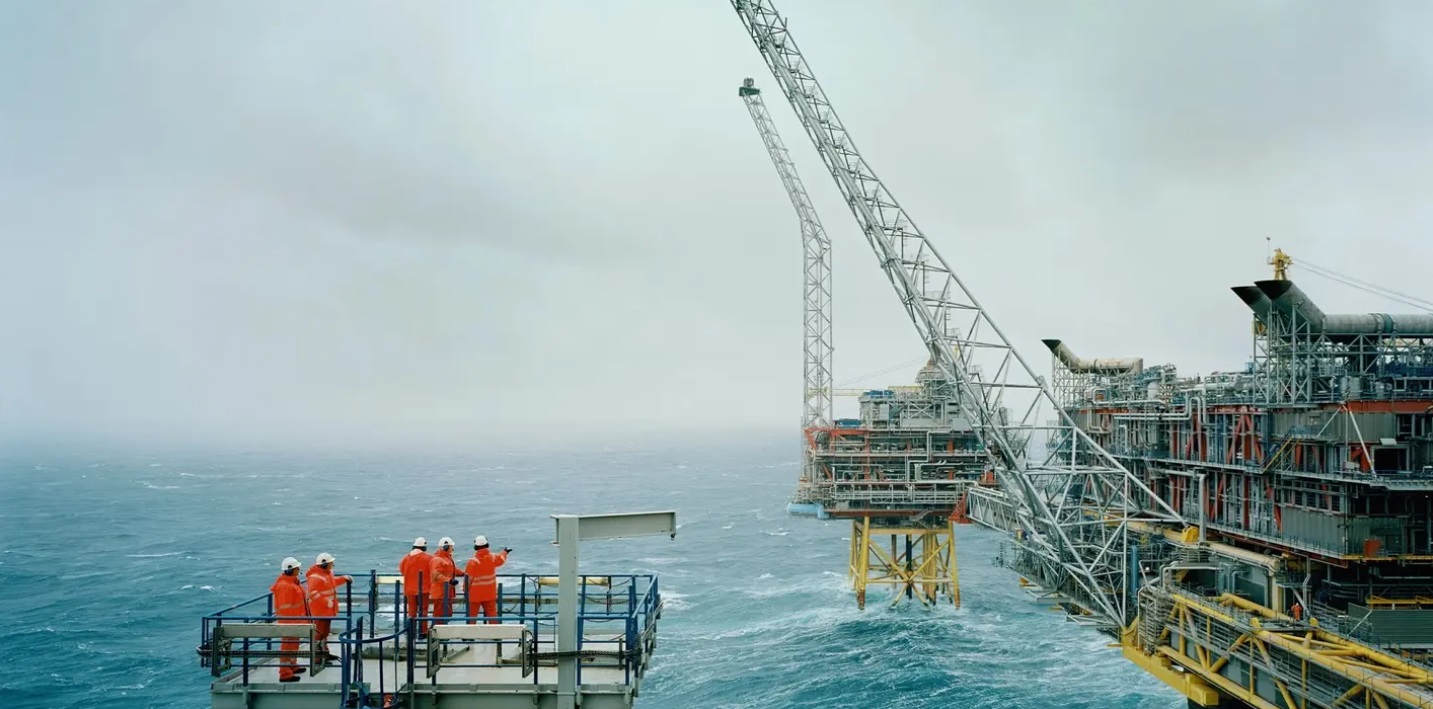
216	649
382	652
1323	685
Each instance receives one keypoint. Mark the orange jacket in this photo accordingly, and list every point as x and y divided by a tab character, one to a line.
323	591
414	563
289	599
440	570
482	571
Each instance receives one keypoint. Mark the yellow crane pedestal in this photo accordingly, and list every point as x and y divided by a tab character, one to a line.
917	562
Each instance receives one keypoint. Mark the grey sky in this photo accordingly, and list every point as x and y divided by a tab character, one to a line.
467	219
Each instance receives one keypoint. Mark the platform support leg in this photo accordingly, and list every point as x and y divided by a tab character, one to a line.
920	563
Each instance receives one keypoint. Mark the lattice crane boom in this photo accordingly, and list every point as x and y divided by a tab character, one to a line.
1074	508
816	266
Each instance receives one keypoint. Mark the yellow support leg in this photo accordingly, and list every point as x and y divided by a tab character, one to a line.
920	563
952	569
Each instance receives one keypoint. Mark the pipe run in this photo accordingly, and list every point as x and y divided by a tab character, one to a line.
1127	365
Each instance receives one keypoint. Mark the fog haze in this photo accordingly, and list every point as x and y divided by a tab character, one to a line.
469	221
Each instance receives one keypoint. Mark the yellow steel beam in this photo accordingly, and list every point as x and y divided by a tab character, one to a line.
954	570
1352	692
931	562
1223	683
898	575
1190	685
1315	647
1278	683
863	562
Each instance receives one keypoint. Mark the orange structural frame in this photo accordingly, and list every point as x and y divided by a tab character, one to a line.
1385	406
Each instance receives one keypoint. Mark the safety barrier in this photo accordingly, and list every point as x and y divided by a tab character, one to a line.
1255	654
383	651
628	605
249	630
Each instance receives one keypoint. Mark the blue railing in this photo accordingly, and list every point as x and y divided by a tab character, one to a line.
249	612
379	643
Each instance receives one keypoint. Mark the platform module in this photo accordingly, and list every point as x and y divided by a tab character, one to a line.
560	641
900	473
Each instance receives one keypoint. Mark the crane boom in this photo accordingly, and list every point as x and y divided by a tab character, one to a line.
1072	511
816	266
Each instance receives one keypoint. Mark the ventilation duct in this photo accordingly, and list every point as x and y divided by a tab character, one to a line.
1288	300
1128	365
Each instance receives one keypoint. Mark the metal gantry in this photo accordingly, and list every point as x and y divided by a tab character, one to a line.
816	266
1073	508
837	471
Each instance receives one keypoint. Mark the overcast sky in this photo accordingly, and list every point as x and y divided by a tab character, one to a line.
458	220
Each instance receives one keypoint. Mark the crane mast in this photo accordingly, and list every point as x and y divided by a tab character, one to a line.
1070	509
816	266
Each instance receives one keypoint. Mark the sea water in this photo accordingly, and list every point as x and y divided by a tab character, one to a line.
109	556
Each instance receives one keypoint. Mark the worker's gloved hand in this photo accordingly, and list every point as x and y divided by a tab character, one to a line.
507	550
452	582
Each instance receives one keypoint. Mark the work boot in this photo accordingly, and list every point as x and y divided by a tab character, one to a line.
300	670
290	678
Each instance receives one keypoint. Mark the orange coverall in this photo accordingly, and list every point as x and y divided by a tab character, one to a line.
483	583
323	599
414	564
290	605
441	570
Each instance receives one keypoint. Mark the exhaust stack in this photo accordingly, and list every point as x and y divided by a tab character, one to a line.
1288	300
1128	365
1256	300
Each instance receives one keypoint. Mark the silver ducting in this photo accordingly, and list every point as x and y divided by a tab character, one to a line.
1381	324
1288	300
1128	365
1256	300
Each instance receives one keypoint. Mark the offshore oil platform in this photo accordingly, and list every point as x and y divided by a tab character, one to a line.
900	469
1258	538
1306	578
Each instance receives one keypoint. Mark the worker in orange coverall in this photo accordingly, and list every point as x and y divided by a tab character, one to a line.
482	572
323	598
290	605
414	568
442	577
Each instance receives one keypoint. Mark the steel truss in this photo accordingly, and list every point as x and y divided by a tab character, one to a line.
1073	507
1266	659
1302	366
816	265
919	565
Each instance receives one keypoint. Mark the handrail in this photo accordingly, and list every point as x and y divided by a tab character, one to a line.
241	604
630	601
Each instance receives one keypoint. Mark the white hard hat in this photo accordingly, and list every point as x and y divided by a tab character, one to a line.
445	543
324	558
481	541
290	563
420	542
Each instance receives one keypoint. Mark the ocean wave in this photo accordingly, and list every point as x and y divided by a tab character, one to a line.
675	601
751	623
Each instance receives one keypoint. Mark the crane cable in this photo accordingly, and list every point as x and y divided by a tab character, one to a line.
1365	286
849	383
